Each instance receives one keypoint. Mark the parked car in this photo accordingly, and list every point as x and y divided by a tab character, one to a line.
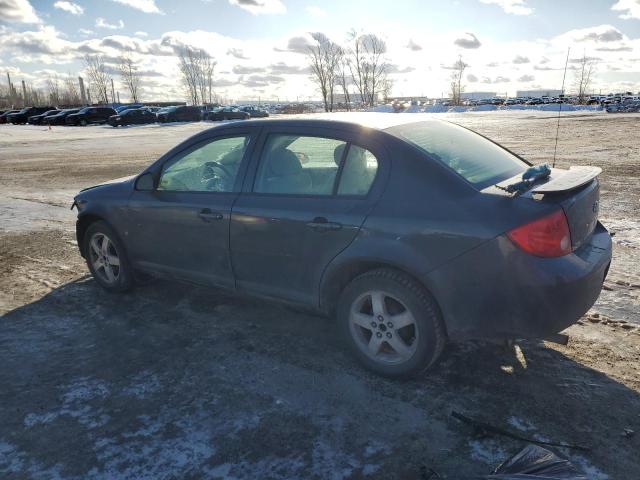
20	117
122	108
90	115
138	116
255	112
3	116
181	113
410	234
59	118
226	113
153	110
38	119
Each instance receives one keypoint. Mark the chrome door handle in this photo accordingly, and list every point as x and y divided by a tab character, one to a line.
321	224
207	215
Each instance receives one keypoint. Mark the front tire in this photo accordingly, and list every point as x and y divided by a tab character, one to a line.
107	259
391	323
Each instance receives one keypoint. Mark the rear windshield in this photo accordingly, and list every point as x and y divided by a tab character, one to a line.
479	161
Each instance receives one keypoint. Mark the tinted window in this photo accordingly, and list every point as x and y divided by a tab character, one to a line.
475	158
358	173
293	164
212	167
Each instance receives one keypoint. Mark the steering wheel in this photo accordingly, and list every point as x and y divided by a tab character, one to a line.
216	176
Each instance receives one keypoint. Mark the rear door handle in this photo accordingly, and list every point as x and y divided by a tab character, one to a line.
207	215
321	224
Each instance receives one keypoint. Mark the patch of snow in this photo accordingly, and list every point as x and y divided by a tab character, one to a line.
522	425
487	451
589	470
627	231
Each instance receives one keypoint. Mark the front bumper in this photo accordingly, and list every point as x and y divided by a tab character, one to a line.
498	291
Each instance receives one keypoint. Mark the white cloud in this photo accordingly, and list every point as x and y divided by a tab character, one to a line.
146	6
19	11
141	34
102	23
630	8
85	31
72	8
257	7
515	7
316	11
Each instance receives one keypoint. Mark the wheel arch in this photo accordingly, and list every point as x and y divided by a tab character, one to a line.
338	276
82	224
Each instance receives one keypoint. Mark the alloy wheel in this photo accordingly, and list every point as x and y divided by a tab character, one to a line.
104	258
383	328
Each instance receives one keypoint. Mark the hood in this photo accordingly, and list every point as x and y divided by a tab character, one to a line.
109	182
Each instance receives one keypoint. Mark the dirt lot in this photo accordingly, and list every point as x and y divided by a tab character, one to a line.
173	381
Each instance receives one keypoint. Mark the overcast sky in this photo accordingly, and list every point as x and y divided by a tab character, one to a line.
259	44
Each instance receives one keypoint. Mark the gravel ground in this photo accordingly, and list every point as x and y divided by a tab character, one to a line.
173	381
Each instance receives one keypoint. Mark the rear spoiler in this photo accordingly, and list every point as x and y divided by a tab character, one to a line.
565	180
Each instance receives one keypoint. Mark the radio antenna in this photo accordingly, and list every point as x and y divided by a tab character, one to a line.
555	149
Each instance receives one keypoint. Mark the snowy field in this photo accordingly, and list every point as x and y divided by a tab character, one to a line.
174	381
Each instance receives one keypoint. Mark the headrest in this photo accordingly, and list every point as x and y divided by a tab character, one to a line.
284	162
338	152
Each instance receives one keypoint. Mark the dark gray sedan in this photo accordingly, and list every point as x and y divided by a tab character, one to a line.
411	233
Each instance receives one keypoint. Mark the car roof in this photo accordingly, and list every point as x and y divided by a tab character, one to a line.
350	120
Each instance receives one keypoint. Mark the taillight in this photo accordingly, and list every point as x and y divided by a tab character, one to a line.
546	237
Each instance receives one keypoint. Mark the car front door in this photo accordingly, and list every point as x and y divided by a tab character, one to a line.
181	228
303	202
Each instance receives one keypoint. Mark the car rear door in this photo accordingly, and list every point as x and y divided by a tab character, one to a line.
286	229
181	228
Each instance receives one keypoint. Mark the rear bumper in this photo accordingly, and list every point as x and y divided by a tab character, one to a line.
498	291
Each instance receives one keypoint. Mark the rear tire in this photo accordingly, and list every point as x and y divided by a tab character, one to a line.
107	259
391	323
83	123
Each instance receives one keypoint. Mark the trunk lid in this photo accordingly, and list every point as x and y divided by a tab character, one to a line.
577	191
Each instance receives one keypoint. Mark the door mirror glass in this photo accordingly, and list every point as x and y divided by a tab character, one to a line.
145	182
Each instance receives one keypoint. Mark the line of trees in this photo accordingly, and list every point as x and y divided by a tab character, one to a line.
360	69
197	70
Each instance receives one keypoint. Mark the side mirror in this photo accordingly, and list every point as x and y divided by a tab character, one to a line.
145	183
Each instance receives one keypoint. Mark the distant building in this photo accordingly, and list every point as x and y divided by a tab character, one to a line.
477	95
538	93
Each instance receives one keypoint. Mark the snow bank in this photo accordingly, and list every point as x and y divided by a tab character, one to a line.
435	109
483	108
382	109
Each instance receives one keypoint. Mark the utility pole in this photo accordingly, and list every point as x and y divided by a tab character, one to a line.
24	94
113	94
83	95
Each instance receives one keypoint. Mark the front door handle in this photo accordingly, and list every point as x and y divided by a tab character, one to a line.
321	224
207	215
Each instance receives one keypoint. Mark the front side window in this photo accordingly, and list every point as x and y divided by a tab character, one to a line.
212	167
294	164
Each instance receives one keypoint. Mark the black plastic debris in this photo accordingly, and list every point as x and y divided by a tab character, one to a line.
536	463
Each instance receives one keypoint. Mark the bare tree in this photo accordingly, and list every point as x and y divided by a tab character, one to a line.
368	65
343	78
197	69
53	89
100	79
456	81
387	86
130	76
586	66
324	58
70	95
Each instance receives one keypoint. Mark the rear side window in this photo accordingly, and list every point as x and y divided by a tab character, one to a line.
305	165
475	158
293	164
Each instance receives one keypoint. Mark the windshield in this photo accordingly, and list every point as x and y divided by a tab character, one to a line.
478	160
